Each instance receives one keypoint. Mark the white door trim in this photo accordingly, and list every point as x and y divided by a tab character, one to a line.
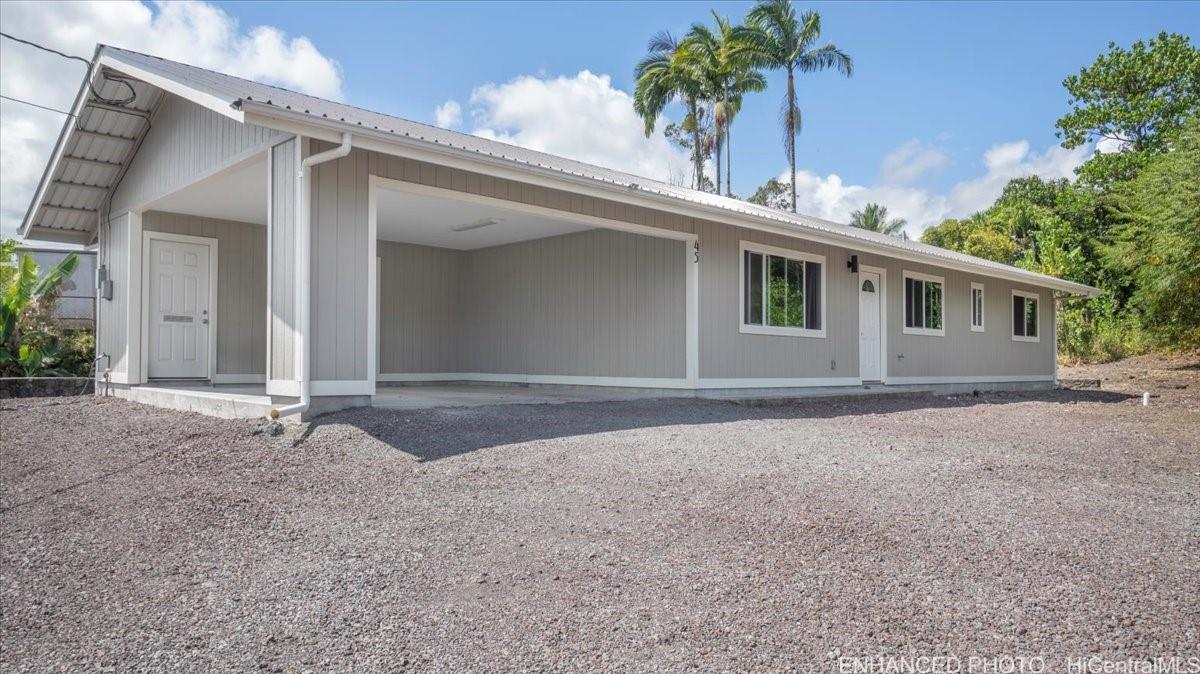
212	243
883	322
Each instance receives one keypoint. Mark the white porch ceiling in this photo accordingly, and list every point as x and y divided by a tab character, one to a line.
238	193
430	221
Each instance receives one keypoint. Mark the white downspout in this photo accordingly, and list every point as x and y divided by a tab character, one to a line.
305	271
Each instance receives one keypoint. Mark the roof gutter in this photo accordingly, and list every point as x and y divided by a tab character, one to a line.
421	149
305	266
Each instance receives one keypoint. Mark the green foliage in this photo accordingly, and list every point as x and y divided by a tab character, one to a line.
977	235
874	217
714	55
776	38
772	194
1156	241
29	344
664	76
1138	98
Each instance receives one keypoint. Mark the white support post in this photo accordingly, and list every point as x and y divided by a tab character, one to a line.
692	263
136	349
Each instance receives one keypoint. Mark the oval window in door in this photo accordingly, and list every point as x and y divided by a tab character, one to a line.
868	287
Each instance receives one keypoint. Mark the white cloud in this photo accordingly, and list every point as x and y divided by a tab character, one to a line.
193	32
910	161
831	198
448	114
582	117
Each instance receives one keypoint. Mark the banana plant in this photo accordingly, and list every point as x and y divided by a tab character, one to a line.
24	294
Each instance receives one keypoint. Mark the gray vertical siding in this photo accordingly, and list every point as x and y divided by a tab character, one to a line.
598	303
186	142
339	285
112	337
419	308
283	313
339	269
961	352
241	285
727	353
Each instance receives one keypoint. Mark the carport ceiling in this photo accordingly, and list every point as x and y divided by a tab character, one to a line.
461	225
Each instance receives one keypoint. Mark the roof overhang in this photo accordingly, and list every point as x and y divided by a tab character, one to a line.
501	167
75	202
96	144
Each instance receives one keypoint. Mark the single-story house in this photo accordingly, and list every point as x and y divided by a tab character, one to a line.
251	235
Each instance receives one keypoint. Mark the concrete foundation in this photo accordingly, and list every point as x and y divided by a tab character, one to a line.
250	401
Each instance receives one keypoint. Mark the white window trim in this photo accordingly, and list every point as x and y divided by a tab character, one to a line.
1037	317
927	332
982	308
776	330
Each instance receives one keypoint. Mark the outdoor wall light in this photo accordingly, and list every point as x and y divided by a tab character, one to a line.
852	264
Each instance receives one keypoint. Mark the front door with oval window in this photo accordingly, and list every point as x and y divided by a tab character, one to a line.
869	326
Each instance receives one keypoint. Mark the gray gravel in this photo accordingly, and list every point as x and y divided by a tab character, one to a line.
644	535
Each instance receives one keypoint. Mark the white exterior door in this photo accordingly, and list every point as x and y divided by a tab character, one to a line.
179	318
868	326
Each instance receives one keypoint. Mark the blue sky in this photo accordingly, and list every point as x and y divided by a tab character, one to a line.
960	76
948	102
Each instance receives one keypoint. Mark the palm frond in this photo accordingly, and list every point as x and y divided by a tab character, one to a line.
824	58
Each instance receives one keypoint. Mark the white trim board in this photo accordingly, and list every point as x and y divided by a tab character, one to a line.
972	379
239	378
565	380
621	382
343	387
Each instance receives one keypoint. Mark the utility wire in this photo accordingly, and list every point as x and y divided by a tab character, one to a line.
52	51
18	100
110	101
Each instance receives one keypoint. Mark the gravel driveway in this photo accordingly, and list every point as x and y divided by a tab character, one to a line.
644	535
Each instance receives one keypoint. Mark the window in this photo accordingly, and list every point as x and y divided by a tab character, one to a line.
923	304
976	307
868	287
1025	316
783	292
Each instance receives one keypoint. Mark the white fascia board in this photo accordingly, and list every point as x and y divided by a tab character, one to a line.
192	91
384	142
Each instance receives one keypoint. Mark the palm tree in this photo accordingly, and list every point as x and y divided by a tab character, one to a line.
776	38
728	75
664	76
874	217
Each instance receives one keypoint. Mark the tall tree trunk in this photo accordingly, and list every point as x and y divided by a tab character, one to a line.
729	156
717	149
791	131
697	150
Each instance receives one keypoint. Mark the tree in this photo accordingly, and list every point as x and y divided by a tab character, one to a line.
1136	98
1157	240
728	76
976	235
772	194
874	217
26	300
775	38
664	76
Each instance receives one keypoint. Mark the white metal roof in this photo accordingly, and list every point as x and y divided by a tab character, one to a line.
230	95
